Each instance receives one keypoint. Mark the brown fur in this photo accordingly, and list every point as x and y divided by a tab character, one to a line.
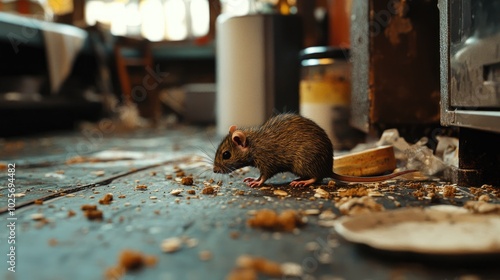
285	143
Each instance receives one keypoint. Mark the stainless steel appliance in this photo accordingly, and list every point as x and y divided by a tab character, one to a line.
470	85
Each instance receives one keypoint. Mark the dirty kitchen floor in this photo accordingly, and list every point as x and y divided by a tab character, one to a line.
208	232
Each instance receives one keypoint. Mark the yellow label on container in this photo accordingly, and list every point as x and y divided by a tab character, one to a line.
327	92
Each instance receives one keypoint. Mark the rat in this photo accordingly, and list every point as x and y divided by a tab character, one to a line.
284	143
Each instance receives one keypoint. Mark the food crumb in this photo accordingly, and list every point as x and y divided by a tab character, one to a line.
71	213
87	207
280	193
208	190
192	192
354	192
38	202
141	187
53	242
106	200
129	260
449	191
187	181
288	220
176	192
205	255
171	245
91	212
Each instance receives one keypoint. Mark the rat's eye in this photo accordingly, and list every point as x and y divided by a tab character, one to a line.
226	155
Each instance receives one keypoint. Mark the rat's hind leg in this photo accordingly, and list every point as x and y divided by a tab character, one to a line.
302	183
254	182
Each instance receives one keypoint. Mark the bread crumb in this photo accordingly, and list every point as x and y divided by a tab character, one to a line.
141	187
129	260
358	205
208	190
187	181
71	213
53	242
280	193
91	212
106	200
354	192
205	255
248	267
87	207
449	191
268	219
171	245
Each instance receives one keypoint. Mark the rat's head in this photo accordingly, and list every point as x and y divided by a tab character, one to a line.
232	152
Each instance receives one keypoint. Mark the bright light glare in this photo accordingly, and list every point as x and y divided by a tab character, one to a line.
118	20
200	17
93	11
175	20
152	28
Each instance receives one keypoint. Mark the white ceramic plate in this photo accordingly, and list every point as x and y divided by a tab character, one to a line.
444	231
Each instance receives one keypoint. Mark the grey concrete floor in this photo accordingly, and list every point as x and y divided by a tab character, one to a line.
50	244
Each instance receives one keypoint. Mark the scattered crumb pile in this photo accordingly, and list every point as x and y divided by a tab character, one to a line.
129	260
268	219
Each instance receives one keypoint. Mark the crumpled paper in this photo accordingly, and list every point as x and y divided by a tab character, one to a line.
418	156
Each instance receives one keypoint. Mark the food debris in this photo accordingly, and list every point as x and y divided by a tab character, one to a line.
187	181
141	187
176	192
353	192
249	267
91	212
358	205
191	192
321	193
53	242
38	202
208	190
171	245
37	217
99	173
205	255
268	219
71	213
449	191
482	207
280	193
106	200
129	260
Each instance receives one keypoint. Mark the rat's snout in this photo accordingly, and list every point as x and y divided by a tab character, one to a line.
217	169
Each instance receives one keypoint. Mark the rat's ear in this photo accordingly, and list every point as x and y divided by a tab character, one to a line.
232	129
240	139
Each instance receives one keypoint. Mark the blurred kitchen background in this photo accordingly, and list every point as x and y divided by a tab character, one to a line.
427	69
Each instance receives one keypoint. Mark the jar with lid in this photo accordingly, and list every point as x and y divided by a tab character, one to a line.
325	93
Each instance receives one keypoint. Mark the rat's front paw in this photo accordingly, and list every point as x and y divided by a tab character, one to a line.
253	182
